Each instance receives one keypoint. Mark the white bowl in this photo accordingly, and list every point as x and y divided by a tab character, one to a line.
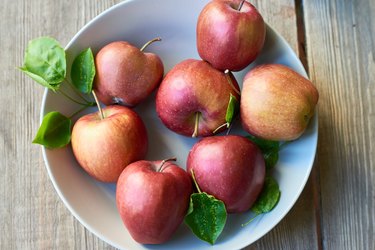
93	203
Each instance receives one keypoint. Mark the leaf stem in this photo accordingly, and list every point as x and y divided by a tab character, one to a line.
228	75
284	144
98	104
195	181
76	91
70	98
247	223
164	161
229	128
196	125
149	42
231	125
79	111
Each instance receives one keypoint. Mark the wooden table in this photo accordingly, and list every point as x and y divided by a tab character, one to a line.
336	42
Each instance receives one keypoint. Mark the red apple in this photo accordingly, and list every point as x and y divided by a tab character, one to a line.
125	74
277	103
229	37
230	167
152	198
193	98
104	147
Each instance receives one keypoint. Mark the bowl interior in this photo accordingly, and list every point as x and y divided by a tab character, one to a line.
92	202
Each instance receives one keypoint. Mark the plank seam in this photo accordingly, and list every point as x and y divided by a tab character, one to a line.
302	53
301	33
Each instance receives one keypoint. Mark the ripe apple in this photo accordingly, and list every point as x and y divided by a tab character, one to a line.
125	74
277	102
230	34
152	198
104	147
230	167
193	98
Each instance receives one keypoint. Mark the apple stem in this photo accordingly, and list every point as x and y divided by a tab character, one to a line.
98	104
196	125
228	74
240	6
149	42
195	181
164	161
221	126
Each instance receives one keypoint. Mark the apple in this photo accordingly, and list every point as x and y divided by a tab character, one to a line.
229	167
193	98
125	74
152	198
230	34
104	146
277	103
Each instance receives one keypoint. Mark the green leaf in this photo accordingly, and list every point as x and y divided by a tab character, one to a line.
55	131
206	217
271	158
40	80
268	198
83	71
232	109
45	62
264	145
270	150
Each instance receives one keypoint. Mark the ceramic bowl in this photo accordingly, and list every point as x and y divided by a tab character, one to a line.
93	203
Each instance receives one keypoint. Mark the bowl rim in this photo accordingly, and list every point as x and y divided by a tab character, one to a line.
72	210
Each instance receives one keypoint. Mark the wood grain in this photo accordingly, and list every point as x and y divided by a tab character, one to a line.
336	208
32	215
340	39
298	229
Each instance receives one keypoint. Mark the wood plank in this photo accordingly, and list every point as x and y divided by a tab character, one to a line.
340	38
33	216
298	229
281	16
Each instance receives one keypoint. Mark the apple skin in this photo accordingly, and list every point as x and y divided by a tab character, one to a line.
277	103
125	75
194	86
103	148
153	203
229	167
228	38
